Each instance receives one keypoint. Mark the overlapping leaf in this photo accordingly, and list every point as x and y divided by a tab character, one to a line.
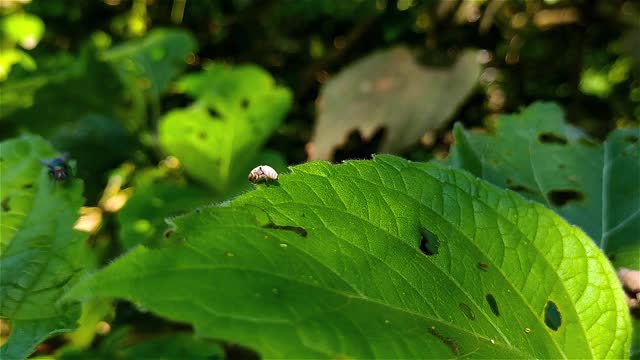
217	138
538	155
40	253
381	259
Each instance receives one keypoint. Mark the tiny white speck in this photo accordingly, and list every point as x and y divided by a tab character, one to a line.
493	341
283	245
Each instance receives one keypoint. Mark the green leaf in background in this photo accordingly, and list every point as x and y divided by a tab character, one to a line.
87	86
23	29
40	253
142	219
538	155
155	60
218	137
390	90
177	346
380	259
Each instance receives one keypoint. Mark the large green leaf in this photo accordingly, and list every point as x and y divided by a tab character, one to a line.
219	136
40	253
380	259
155	60
538	155
87	86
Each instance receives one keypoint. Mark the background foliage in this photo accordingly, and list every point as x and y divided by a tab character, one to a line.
165	106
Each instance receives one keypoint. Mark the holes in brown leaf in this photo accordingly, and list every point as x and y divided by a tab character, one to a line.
562	197
300	231
493	304
447	341
466	310
5	204
552	138
552	316
429	242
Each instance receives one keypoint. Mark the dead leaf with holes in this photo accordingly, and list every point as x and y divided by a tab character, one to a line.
388	89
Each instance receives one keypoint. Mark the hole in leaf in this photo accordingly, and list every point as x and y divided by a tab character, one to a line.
27	186
296	229
631	139
466	310
493	304
552	316
245	103
562	197
168	233
5	204
447	341
214	114
587	142
552	138
429	242
516	187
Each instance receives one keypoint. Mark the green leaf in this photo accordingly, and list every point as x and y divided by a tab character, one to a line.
166	347
219	137
142	220
541	157
40	253
380	259
87	86
155	60
23	29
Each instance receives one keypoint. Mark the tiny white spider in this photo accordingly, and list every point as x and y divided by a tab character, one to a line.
263	173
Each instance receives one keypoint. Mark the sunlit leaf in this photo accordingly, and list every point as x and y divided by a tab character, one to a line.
40	253
219	137
380	259
389	90
538	155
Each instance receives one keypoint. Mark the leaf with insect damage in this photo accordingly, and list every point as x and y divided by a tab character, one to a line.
380	259
41	254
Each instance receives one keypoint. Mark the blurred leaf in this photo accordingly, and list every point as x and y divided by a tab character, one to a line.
220	135
98	144
390	90
178	346
10	57
142	219
41	255
538	155
155	60
23	29
89	86
380	259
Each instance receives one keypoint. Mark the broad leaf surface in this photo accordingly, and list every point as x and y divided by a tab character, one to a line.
40	254
390	90
218	138
327	263
535	153
155	60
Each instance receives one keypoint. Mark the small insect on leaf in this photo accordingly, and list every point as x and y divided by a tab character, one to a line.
483	266
58	167
263	173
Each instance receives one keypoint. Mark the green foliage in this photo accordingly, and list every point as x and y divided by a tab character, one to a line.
541	157
142	220
219	136
380	259
155	60
41	255
167	347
